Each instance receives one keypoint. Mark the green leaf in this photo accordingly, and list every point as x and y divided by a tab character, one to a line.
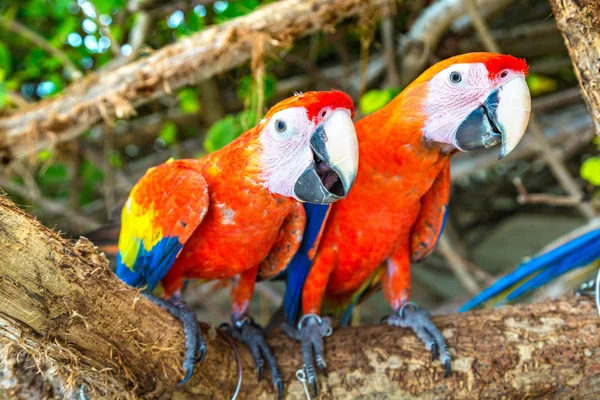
237	9
44	155
114	159
3	95
188	101
58	8
221	133
70	24
53	176
247	119
247	89
539	84
373	100
5	59
194	22
590	170
108	6
91	176
168	133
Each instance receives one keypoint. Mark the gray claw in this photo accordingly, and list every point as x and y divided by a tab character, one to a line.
310	335
247	331
195	346
419	320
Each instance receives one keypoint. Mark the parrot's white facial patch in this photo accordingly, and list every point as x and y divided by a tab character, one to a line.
452	95
286	150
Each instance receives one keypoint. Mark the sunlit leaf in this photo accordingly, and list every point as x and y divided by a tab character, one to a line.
590	170
188	101
3	95
5	59
44	155
373	100
168	133
539	84
221	133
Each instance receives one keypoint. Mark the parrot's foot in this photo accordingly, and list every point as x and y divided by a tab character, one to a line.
311	331
195	346
247	331
419	320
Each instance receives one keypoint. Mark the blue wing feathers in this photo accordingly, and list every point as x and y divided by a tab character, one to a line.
579	252
150	266
299	267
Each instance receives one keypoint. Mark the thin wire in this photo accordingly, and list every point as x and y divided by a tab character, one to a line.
598	291
238	359
301	376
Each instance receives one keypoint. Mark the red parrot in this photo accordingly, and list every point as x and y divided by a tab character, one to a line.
396	209
237	211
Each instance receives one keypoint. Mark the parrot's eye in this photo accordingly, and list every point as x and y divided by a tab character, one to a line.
503	74
455	77
280	126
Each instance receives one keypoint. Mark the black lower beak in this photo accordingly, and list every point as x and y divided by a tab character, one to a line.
480	129
319	183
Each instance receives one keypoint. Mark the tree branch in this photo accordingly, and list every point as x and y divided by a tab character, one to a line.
579	22
61	304
216	49
424	35
76	221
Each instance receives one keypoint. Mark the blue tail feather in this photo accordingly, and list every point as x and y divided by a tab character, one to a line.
150	266
576	253
299	267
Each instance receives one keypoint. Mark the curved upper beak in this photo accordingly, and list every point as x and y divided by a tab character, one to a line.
502	118
335	161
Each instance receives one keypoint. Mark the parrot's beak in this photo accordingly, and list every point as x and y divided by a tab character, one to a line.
502	118
335	161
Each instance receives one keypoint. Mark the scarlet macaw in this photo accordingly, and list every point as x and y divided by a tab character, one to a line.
237	211
396	210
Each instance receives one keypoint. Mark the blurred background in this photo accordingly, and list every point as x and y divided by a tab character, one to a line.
500	212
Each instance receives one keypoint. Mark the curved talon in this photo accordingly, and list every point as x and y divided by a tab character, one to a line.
311	331
248	332
189	374
419	320
202	353
279	385
195	346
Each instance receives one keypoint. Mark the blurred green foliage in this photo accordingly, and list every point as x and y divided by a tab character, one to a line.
77	29
373	100
540	84
229	128
590	170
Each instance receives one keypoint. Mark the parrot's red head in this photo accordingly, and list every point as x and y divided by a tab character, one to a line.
309	147
475	100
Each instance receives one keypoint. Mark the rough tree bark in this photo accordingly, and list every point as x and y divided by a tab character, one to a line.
115	94
61	304
579	22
